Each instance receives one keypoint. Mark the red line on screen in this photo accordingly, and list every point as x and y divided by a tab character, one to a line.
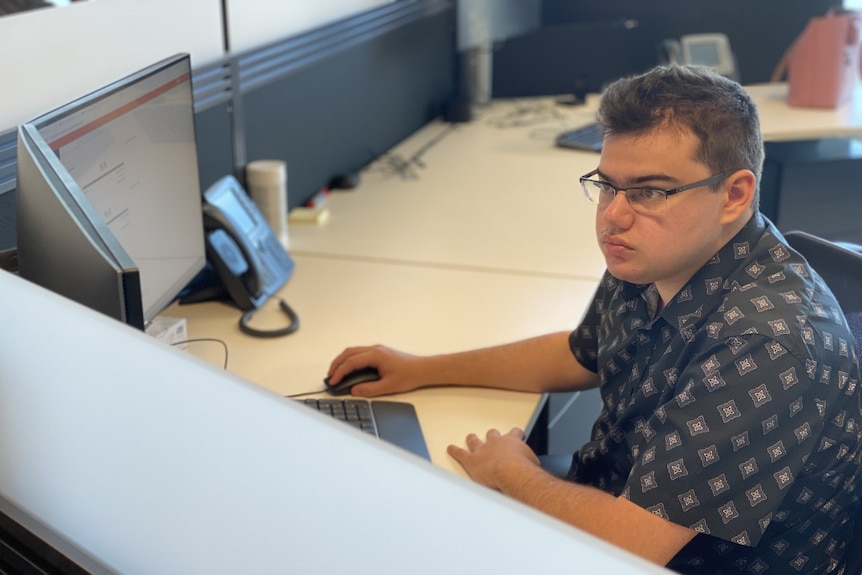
114	114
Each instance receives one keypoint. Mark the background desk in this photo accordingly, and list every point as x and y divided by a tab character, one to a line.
414	308
497	194
780	122
494	194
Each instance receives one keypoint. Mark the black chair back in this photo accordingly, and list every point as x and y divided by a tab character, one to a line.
840	266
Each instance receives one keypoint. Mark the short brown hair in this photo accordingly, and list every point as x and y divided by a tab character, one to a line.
715	109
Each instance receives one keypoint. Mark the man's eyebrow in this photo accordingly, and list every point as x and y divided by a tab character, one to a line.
642	179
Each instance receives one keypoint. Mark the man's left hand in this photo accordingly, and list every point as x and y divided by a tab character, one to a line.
485	461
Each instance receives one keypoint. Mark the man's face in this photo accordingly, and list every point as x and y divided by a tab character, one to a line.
668	246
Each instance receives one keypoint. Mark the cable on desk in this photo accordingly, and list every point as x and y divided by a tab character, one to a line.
397	164
207	339
394	164
527	114
417	157
304	393
289	329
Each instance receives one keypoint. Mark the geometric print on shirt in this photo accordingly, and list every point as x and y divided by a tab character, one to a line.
735	411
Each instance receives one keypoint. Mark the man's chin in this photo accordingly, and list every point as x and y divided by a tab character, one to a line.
628	274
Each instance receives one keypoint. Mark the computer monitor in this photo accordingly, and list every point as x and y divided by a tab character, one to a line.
108	195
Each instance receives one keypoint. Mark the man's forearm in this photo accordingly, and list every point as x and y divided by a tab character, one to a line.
539	364
611	518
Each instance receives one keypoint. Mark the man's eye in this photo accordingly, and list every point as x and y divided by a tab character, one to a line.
648	195
605	188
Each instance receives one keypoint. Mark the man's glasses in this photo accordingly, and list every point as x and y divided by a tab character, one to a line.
642	200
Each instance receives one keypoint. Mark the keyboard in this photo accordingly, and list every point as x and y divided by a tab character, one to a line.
391	421
587	137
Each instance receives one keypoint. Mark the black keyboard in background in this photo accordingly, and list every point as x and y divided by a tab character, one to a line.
392	421
587	137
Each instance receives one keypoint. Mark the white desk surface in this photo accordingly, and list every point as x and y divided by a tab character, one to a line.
780	122
494	194
413	308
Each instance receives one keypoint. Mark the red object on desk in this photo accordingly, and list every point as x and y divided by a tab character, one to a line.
824	61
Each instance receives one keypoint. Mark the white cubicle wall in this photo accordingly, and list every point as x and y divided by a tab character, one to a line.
154	462
251	23
53	55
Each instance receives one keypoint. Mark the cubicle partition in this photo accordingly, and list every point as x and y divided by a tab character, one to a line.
570	58
7	197
327	101
215	105
331	100
759	32
582	45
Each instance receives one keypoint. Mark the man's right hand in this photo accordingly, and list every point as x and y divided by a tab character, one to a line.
399	372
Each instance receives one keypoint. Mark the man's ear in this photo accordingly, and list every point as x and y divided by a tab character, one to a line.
739	195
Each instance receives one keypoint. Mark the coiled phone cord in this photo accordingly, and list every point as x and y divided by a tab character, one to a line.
288	311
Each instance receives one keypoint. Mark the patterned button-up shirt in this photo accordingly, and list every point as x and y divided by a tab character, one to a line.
734	411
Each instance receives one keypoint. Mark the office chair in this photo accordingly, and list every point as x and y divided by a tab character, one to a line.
840	265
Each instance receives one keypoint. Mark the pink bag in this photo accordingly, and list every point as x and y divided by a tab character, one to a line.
823	61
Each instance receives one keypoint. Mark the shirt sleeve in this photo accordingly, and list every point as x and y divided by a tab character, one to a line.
721	453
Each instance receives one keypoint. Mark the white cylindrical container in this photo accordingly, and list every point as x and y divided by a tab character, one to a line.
267	186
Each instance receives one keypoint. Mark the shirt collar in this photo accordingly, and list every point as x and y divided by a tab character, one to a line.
710	279
720	273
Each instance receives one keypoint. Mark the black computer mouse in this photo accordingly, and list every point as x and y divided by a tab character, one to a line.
348	381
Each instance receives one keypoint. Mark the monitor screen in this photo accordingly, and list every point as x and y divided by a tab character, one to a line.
109	199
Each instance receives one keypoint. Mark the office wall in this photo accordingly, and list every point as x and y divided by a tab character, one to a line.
332	100
252	23
53	55
575	57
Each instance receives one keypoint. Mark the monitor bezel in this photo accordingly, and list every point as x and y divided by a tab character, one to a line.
83	225
78	205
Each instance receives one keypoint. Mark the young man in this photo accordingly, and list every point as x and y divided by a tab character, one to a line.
728	440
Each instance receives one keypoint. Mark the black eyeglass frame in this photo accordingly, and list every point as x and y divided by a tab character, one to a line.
710	181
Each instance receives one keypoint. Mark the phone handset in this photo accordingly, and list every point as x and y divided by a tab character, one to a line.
249	259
